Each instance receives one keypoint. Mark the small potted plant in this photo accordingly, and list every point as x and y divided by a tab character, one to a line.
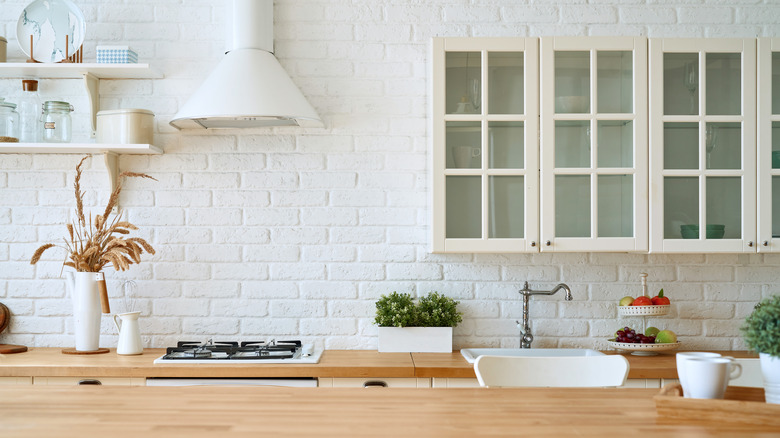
762	334
424	327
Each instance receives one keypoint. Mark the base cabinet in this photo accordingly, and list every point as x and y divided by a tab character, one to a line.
373	382
8	381
69	381
454	382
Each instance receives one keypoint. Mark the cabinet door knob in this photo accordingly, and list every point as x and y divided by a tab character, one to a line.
548	243
533	243
750	244
766	243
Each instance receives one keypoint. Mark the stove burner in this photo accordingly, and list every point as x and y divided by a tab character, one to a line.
233	350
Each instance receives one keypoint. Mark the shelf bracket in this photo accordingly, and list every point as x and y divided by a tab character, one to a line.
112	166
92	83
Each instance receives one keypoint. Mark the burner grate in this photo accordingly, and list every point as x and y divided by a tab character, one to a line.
258	350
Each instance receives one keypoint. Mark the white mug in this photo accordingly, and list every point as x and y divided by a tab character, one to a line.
682	358
463	155
708	377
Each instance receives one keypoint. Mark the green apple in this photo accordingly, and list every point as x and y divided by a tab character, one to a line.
665	337
626	301
652	331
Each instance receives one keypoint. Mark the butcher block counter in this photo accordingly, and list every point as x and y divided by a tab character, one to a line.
192	412
333	363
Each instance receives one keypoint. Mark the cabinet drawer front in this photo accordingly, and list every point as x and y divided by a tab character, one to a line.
373	382
7	381
68	380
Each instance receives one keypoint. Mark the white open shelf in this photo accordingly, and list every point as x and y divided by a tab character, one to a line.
78	148
77	71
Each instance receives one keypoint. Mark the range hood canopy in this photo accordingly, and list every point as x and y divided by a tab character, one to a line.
248	88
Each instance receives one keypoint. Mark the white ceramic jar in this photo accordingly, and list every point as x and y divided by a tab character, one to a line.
125	126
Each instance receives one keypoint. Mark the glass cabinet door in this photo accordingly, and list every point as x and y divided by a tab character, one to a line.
768	145
702	145
485	153
594	144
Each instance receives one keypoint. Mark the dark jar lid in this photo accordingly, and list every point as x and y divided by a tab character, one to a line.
29	85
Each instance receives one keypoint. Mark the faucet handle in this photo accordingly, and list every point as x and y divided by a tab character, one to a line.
520	327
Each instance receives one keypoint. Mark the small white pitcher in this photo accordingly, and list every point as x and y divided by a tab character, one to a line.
129	334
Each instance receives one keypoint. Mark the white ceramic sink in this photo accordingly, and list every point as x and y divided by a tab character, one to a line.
471	354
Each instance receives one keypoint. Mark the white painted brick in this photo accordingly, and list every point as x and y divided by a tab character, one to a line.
35	288
183	235
214	253
703	310
270	327
269	289
241	198
407	235
180	198
387	253
299	236
210	326
271	253
360	236
157	216
589	273
710	14
56	307
297	308
353	198
181	271
356	272
298	271
329	253
324	180
387	216
239	271
330	290
530	14
309	198
237	162
40	180
214	216
328	326
16	162
36	325
180	307
589	14
525	273
351	308
271	216
210	180
239	308
649	15
458	272
413	271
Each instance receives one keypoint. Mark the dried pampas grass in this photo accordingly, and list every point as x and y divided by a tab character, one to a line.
92	244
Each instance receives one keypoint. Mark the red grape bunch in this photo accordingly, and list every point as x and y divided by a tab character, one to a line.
630	336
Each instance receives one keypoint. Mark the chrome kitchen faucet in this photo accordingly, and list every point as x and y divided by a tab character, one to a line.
525	326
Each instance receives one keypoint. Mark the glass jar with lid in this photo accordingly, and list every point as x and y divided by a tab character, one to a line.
9	123
56	121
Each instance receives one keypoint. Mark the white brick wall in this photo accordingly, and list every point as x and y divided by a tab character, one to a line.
295	232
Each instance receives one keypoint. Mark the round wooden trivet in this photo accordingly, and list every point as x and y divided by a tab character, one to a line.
74	351
11	349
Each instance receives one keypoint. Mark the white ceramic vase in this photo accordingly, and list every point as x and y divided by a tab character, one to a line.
129	334
83	288
770	370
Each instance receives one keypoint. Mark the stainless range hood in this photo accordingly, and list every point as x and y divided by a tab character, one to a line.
248	88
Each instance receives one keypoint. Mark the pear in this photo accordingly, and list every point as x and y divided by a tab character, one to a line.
652	331
626	301
666	337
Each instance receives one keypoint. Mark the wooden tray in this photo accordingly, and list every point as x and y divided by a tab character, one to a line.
740	405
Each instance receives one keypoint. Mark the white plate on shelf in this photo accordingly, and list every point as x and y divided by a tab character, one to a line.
48	21
644	310
644	349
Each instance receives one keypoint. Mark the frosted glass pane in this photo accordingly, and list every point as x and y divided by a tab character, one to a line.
775	145
572	206
572	82
776	206
616	205
724	81
775	83
681	145
681	207
723	145
505	85
615	82
463	145
572	143
724	207
464	206
616	143
681	83
462	80
506	145
506	214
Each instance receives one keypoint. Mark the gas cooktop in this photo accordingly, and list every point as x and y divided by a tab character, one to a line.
244	352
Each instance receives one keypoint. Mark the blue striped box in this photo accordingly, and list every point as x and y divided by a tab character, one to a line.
116	55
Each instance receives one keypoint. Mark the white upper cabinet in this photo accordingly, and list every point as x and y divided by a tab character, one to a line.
769	145
485	178
594	144
702	145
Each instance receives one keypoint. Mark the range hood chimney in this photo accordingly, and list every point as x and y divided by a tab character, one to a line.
248	88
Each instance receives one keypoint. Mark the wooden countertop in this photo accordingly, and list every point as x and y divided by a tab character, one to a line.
192	412
334	363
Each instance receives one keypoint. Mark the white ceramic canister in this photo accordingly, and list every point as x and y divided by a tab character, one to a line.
125	126
3	48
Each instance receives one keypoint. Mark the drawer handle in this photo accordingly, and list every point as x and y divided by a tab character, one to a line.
90	382
374	384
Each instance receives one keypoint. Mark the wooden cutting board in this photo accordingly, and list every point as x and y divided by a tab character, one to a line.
5	318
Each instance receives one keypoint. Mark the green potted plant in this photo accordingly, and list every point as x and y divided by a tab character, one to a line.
762	334
422	327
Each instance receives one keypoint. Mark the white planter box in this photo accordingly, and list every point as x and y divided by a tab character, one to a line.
415	340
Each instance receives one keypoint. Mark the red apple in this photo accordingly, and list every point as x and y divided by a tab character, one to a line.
642	301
